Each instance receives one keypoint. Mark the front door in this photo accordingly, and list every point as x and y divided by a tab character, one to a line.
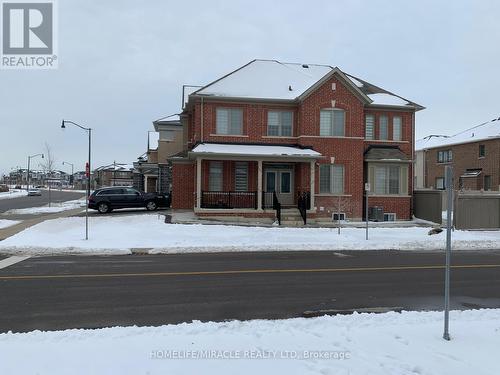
281	182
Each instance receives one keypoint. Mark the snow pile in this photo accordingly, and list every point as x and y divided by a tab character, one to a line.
7	223
391	343
54	207
13	194
119	234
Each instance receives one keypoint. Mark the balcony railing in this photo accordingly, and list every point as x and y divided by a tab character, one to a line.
229	199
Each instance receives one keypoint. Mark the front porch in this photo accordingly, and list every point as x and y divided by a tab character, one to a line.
246	182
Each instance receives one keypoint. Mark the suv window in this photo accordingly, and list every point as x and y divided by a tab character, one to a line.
111	192
131	191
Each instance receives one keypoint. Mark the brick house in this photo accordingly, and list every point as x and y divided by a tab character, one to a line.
116	174
474	154
272	129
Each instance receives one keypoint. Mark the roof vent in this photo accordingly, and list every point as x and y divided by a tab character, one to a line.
305	66
290	88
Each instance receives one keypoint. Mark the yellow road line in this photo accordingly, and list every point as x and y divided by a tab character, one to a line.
241	272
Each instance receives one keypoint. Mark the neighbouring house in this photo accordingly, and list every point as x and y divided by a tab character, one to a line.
116	174
53	179
294	133
474	154
153	170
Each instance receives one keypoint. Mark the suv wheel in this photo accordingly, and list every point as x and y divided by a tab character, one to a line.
151	206
103	208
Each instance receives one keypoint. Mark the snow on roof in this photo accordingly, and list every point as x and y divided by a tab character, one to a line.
484	131
260	150
170	118
153	140
383	98
271	79
115	167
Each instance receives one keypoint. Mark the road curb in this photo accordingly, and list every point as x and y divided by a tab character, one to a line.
370	310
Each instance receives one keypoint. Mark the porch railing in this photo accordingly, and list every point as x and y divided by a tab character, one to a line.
229	199
270	200
304	204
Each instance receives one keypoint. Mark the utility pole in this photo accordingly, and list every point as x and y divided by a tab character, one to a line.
367	191
449	198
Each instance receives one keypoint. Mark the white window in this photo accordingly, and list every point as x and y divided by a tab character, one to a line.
215	176
279	123
389	179
440	183
369	127
396	128
331	178
229	121
332	122
389	217
241	176
445	156
383	127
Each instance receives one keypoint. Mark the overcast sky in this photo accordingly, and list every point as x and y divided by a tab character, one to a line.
122	64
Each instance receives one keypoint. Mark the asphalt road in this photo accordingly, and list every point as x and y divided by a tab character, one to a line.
26	202
49	293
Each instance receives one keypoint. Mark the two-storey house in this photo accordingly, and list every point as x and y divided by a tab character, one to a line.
280	130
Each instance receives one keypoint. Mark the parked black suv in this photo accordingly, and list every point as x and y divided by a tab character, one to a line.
106	199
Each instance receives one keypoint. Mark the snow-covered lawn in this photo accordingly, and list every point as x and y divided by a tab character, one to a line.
119	234
385	344
13	194
7	223
54	207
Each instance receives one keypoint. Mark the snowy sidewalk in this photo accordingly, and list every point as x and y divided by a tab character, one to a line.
121	234
385	344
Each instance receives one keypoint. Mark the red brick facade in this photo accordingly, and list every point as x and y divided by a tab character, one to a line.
348	150
466	157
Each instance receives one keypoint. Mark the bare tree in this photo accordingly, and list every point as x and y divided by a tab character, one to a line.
48	165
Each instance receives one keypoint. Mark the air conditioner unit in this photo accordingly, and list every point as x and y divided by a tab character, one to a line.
376	213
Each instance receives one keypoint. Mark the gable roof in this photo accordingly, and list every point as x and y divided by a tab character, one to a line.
481	132
275	80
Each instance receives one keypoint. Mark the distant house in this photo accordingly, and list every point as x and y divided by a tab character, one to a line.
474	154
153	170
283	131
116	174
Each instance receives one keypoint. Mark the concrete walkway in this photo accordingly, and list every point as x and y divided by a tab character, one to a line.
14	229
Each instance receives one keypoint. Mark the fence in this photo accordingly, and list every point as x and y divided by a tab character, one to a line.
477	210
428	205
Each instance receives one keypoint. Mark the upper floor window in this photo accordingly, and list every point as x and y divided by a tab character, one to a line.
332	123
396	128
331	178
370	127
383	127
229	121
482	151
444	156
279	123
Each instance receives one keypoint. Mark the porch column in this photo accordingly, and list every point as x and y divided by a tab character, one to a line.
312	182
259	185
198	182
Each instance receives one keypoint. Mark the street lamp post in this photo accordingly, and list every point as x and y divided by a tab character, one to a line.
87	171
72	172
28	171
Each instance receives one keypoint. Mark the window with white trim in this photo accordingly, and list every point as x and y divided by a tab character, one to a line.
396	128
331	179
280	123
444	156
335	216
440	183
332	123
369	126
389	216
241	176
215	176
388	179
229	121
383	127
